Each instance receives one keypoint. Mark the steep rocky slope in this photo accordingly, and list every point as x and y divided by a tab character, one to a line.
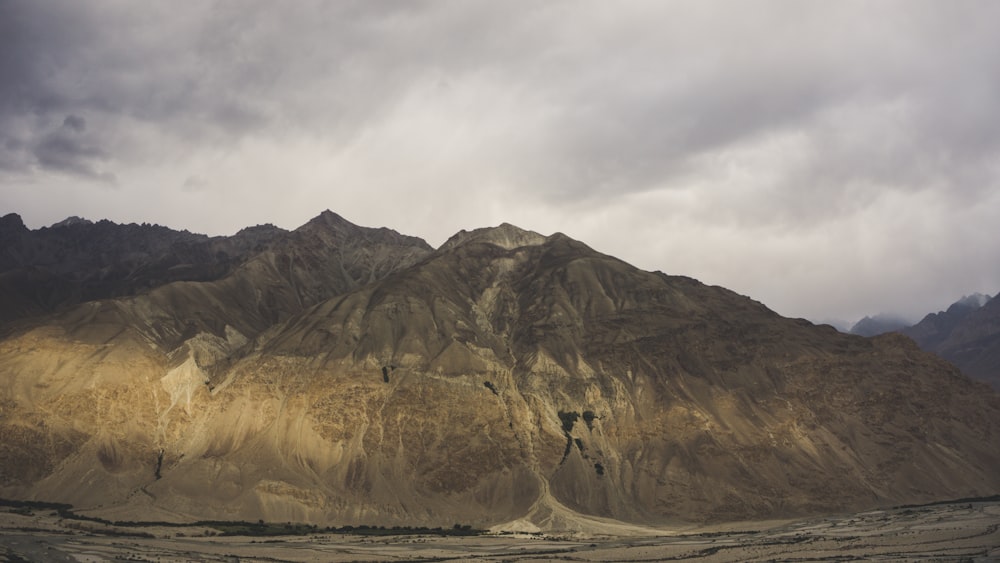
935	328
350	375
967	334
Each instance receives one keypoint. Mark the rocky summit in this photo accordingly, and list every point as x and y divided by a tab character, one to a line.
337	374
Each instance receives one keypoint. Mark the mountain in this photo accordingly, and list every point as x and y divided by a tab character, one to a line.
966	334
77	260
935	328
346	375
879	324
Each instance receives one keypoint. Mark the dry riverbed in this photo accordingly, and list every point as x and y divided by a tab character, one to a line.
947	532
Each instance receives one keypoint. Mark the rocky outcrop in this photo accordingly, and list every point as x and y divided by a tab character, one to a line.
348	375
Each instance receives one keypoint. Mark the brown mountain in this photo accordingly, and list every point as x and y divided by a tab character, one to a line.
351	375
966	334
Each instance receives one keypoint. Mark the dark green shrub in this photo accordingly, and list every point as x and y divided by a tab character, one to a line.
568	419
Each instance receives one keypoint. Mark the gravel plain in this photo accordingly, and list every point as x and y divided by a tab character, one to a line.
962	531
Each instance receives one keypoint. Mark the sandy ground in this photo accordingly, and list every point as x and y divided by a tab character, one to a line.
952	532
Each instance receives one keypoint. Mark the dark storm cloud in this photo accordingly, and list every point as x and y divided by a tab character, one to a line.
837	136
68	150
127	61
75	123
37	42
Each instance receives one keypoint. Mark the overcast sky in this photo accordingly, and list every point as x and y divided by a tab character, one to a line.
830	159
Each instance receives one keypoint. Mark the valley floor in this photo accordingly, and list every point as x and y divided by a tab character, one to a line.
966	531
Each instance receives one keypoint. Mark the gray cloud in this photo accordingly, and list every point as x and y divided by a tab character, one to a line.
830	160
75	123
68	150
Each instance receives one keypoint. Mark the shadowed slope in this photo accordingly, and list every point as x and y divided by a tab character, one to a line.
967	334
76	260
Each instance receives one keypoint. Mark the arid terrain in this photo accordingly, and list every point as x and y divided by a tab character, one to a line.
962	531
338	374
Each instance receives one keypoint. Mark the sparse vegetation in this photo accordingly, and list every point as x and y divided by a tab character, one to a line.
569	448
259	528
568	420
159	464
489	385
950	532
289	529
38	505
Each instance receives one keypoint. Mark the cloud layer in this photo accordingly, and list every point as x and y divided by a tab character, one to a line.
831	160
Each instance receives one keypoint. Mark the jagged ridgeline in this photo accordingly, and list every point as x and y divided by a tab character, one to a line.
342	375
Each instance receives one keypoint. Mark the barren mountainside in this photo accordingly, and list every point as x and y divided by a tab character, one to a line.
346	375
77	260
967	334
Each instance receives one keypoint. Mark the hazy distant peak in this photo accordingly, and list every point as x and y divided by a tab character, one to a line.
879	324
72	220
505	236
976	300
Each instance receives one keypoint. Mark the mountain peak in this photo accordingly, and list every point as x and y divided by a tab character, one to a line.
975	301
966	334
329	219
13	222
330	215
879	324
262	228
330	224
504	235
72	220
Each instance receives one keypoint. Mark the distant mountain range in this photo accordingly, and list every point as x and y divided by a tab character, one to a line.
76	260
879	324
966	334
339	374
